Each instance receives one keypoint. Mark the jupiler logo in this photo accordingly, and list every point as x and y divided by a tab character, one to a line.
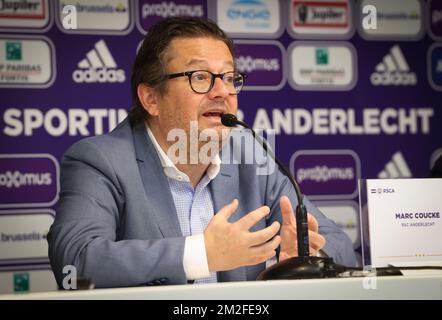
323	14
98	66
18	179
20	6
393	70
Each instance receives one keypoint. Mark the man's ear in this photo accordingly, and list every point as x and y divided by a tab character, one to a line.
148	98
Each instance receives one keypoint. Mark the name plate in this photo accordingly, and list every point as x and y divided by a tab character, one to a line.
402	221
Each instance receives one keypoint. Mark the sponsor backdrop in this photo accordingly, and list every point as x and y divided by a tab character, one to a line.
349	95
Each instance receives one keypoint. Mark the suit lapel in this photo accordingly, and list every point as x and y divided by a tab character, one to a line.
159	197
224	188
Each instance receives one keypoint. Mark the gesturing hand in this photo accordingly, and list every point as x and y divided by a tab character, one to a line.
232	245
289	242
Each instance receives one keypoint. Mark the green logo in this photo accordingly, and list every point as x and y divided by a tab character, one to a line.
21	282
321	56
120	8
13	51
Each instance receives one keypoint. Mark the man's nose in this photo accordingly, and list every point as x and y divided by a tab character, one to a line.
219	89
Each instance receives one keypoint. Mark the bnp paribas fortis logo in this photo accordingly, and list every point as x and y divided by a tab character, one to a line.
13	51
321	56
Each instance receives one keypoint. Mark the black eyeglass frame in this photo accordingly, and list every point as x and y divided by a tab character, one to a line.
212	82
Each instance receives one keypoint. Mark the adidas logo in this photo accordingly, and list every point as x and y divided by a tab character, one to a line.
396	168
393	70
98	66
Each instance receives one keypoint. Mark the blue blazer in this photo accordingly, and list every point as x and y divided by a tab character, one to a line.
116	221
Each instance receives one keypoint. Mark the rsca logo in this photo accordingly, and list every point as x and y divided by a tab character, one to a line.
396	168
382	190
393	70
98	66
248	10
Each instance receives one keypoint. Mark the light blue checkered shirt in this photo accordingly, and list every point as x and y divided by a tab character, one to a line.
194	208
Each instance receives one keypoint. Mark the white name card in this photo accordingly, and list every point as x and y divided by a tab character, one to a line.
404	221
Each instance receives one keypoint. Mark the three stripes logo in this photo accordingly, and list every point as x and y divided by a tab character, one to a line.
98	66
396	168
393	70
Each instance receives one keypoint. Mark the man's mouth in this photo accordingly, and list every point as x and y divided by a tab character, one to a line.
213	113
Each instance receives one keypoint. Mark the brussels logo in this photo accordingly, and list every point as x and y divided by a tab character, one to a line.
98	66
393	70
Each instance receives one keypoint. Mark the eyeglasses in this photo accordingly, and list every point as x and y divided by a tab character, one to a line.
202	81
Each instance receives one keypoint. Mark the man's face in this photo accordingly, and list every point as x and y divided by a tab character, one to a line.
180	104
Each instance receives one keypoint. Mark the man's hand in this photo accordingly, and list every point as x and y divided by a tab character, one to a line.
232	245
289	242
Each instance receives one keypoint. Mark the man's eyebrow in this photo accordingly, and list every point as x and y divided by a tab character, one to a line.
197	61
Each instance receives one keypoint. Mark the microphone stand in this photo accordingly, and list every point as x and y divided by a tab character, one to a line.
304	266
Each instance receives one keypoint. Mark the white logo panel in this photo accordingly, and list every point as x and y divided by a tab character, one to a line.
18	15
404	221
99	16
322	65
321	19
26	62
250	18
23	235
394	21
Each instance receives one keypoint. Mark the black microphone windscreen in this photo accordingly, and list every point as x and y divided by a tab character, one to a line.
229	120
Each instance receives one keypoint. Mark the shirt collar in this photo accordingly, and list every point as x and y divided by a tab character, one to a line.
171	171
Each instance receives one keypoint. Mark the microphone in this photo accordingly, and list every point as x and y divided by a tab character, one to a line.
304	266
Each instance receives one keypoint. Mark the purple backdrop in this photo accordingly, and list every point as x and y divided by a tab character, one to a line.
363	136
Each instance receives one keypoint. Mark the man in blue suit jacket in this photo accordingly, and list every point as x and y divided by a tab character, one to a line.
132	213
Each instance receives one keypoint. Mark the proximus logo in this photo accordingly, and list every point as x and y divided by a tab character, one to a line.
249	64
18	179
172	9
